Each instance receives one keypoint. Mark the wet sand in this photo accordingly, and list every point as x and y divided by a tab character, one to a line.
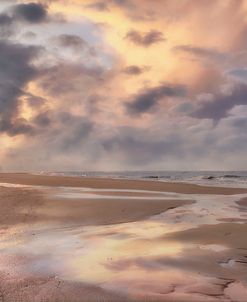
73	239
27	205
242	202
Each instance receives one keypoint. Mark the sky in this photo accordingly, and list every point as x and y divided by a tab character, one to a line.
123	85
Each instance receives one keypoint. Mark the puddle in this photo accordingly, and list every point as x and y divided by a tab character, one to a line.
87	193
208	209
214	247
228	264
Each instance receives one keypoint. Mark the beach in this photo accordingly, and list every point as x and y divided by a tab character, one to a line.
101	239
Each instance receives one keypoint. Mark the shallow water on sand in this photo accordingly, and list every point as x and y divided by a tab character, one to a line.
133	258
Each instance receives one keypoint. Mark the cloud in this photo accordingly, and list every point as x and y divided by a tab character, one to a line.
42	119
220	104
60	139
34	101
16	127
30	12
99	6
5	20
68	99
16	70
149	98
240	123
106	5
201	52
26	14
71	41
70	81
82	127
135	70
145	39
75	43
6	25
238	74
139	146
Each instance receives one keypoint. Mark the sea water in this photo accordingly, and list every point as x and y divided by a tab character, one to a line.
210	178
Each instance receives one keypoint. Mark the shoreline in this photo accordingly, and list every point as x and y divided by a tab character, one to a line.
112	183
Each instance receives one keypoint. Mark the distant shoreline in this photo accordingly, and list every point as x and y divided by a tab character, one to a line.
113	183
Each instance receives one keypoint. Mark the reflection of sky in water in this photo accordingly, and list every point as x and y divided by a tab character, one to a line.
208	209
78	193
121	256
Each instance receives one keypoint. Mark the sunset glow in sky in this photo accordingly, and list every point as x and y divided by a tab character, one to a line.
123	84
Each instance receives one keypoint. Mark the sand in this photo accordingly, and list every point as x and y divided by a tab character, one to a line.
229	234
242	202
107	183
22	205
85	244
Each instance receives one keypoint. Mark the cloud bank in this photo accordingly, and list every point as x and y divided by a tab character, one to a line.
127	84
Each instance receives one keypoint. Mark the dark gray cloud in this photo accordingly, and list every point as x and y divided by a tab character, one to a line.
43	119
5	20
16	70
30	12
16	127
135	70
219	106
149	98
145	39
6	25
201	52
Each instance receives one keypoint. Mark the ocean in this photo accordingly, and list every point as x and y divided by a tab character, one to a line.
210	178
